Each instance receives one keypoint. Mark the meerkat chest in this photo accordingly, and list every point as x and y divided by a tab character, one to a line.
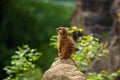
66	42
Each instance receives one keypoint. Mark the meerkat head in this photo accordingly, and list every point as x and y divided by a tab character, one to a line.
62	31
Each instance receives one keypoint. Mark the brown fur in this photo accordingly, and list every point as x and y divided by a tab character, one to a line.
66	45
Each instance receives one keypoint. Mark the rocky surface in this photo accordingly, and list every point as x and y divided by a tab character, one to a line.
63	69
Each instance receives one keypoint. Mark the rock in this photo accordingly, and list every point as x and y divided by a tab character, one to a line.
63	69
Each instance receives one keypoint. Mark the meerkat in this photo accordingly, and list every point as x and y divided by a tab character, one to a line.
66	45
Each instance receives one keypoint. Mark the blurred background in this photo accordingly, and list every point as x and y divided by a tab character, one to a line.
33	22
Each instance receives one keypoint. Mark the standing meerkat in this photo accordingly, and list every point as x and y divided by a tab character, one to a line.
66	45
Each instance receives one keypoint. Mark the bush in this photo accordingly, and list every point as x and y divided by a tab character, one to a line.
22	62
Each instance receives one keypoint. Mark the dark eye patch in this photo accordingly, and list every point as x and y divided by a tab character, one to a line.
64	31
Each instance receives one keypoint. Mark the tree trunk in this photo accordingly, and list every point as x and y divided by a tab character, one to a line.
99	17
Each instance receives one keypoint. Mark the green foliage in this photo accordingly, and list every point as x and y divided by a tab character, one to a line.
103	75
88	49
54	41
95	76
22	61
33	74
